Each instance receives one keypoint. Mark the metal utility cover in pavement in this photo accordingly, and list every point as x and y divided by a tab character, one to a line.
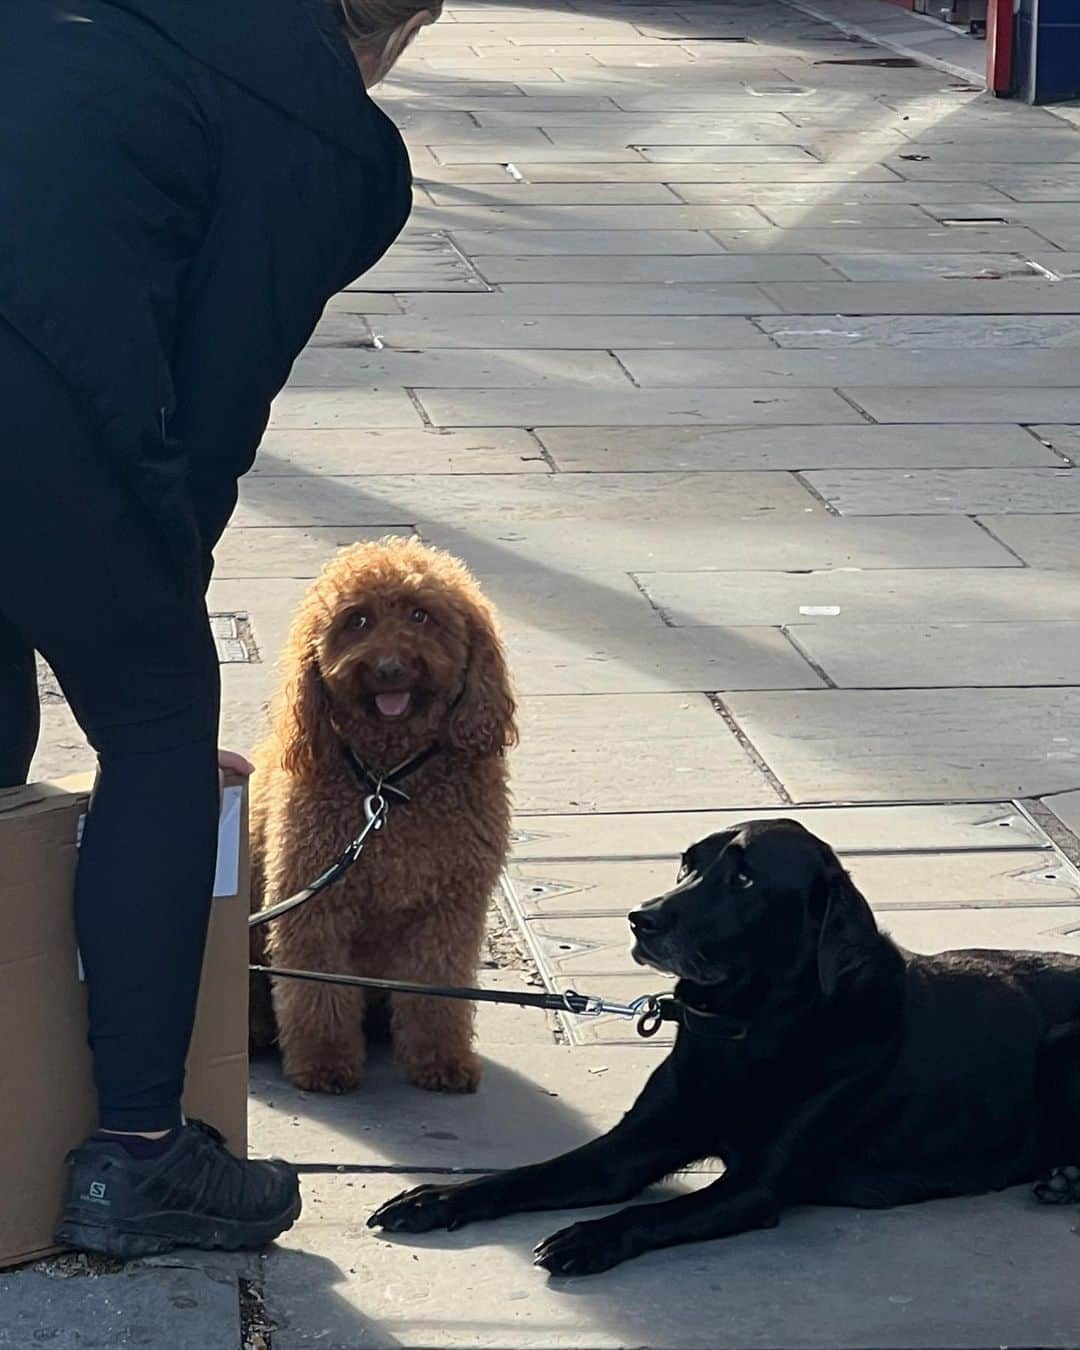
233	639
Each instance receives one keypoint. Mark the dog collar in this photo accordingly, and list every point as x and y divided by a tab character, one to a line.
385	784
712	1028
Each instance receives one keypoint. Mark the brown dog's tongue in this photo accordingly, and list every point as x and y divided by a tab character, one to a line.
395	704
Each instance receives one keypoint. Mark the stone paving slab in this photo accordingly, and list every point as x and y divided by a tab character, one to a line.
1034	296
514	300
335	451
851	599
1033	368
274	551
633	270
798	171
971	492
765	404
719	154
851	830
943	655
539	242
954	333
833	196
526	218
655	659
800	168
949	266
462	499
369	408
915	745
520	196
338	368
655	449
847	215
549	330
1006	403
811	543
554	599
1041	541
557	891
160	1309
607	753
934	240
970	1273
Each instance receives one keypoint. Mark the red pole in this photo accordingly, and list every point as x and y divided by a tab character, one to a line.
999	45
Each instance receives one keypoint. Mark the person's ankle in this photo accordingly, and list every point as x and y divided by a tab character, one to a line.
141	1145
136	1134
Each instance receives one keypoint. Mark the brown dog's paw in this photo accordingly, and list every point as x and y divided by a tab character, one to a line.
326	1077
447	1075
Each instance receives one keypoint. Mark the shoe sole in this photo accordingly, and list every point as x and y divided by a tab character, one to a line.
158	1233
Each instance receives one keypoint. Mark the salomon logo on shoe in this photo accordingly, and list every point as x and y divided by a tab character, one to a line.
96	1193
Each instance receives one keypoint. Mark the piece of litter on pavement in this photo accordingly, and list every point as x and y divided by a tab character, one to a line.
514	172
819	611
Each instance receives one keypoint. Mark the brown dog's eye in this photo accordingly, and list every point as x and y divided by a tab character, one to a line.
356	621
419	616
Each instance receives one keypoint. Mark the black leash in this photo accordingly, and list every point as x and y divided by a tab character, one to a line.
377	787
649	1012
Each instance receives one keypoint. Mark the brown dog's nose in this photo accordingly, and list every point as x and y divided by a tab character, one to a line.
390	672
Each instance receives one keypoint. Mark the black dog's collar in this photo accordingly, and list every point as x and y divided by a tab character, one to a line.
713	1028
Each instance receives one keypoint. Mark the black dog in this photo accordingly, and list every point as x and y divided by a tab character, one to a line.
819	1061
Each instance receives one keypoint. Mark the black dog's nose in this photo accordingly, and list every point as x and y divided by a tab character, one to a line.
649	922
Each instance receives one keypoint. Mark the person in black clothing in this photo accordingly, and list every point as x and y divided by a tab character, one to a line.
183	186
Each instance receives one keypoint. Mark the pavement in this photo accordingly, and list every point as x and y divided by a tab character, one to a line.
739	362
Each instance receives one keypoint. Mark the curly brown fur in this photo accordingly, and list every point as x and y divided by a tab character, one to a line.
382	621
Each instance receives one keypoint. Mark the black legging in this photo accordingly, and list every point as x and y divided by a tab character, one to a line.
85	581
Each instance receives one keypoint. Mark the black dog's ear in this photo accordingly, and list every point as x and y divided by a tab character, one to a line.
848	937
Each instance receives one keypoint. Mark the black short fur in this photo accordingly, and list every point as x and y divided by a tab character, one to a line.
844	1070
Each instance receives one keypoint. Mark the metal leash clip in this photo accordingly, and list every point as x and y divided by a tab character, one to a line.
646	1010
375	810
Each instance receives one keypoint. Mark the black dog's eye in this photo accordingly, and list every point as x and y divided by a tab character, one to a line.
356	620
419	615
741	879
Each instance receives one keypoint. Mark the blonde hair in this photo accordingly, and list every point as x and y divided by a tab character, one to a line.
371	22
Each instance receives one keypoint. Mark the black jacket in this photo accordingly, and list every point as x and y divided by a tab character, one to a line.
183	185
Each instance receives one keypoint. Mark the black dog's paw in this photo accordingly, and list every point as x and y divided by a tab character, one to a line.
584	1249
1061	1187
423	1210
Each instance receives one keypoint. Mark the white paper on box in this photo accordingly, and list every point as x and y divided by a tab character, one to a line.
227	876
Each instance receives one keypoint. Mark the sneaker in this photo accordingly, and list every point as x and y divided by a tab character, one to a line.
196	1194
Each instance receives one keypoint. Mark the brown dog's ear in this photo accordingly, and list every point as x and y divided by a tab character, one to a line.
301	718
481	723
848	937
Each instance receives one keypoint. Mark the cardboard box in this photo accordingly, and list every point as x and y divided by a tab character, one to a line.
47	1103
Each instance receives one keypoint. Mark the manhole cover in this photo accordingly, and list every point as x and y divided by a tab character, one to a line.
233	639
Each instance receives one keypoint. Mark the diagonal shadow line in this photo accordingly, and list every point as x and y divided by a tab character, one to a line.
597	607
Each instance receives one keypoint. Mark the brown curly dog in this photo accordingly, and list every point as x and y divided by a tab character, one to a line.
393	651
